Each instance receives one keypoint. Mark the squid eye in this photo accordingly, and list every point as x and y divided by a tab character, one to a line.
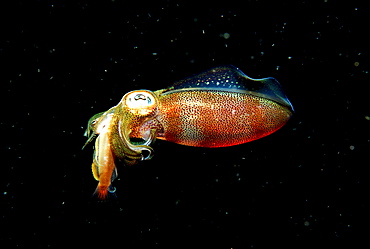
143	97
140	102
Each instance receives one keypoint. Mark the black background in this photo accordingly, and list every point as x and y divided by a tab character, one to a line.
303	186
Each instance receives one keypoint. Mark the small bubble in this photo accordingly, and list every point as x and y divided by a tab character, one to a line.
351	147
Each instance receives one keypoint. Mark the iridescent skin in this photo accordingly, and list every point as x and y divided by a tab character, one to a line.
218	108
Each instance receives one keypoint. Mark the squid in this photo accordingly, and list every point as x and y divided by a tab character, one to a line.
217	108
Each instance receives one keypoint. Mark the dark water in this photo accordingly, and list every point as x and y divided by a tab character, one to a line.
303	186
